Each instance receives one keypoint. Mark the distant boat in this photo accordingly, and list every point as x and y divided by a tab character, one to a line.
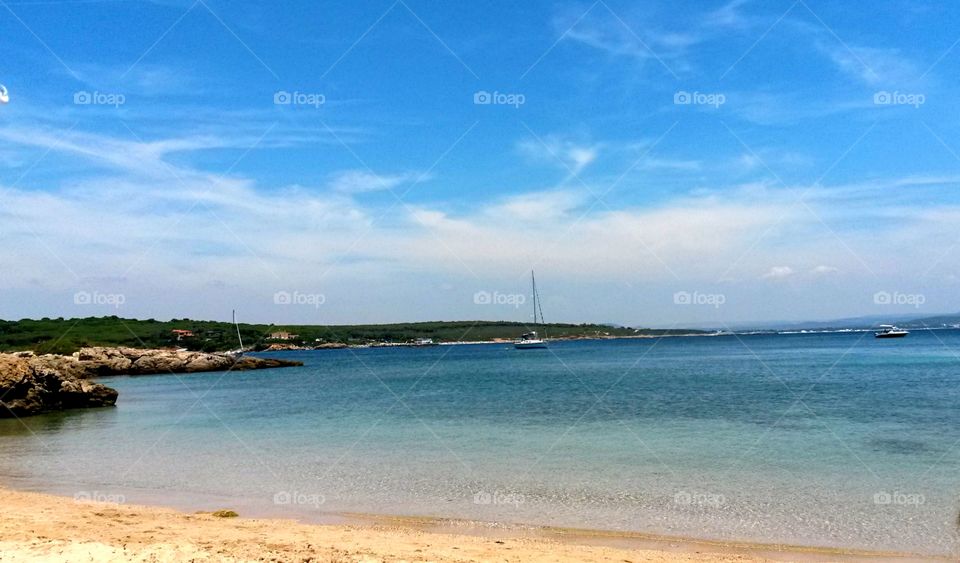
531	340
422	342
890	331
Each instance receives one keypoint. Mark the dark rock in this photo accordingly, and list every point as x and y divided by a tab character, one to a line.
28	386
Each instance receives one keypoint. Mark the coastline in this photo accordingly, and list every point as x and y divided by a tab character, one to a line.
504	341
39	526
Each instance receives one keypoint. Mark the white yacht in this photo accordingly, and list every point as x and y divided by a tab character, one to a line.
890	331
529	340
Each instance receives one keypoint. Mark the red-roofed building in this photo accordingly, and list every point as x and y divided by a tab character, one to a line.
181	334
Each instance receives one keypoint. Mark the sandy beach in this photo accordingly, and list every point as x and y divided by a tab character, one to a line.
41	527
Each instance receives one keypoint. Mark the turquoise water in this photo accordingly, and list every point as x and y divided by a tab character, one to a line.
832	440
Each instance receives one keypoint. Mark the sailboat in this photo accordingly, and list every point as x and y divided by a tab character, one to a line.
531	339
239	351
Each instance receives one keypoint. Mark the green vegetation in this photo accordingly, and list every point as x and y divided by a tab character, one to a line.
65	336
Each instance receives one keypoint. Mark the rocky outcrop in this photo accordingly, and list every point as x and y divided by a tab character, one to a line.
28	386
278	347
31	384
102	362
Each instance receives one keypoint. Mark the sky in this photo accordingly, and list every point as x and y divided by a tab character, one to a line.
658	164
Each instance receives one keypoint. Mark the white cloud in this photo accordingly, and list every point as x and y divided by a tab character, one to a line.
778	273
156	232
538	206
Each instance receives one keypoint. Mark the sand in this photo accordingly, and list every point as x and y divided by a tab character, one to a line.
40	527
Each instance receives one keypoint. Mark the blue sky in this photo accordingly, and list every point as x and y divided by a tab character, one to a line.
773	160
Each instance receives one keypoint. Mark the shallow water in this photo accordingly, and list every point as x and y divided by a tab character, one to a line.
832	440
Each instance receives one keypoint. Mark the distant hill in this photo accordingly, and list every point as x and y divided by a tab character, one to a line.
865	322
938	321
65	336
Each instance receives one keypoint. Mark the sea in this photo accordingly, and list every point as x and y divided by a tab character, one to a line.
835	440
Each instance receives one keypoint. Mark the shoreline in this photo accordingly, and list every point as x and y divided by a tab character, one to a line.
704	334
35	526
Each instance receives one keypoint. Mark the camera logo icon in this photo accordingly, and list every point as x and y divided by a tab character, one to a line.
282	98
482	98
882	298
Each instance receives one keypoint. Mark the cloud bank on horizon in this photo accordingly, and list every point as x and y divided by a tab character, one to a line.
659	165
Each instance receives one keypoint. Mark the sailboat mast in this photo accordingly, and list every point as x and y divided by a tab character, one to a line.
240	338
533	282
537	305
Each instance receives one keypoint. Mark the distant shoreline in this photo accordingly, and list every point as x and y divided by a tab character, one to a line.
604	338
282	348
66	336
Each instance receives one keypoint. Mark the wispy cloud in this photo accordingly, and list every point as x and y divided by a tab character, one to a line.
149	80
363	181
622	35
730	15
539	206
873	66
558	150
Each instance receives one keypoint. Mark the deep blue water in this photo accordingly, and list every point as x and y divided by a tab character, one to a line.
829	439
